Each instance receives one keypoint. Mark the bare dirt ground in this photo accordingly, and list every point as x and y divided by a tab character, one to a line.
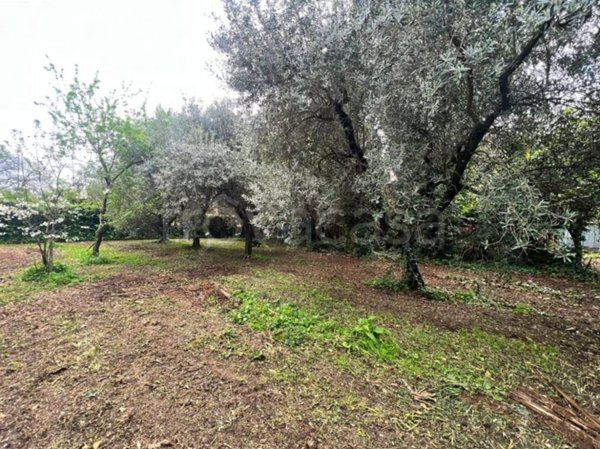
12	259
148	357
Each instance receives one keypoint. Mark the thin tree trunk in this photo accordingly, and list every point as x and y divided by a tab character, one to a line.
164	235
196	243
101	228
248	237
50	256
44	254
576	231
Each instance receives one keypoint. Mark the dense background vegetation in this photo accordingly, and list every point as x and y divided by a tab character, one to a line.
463	130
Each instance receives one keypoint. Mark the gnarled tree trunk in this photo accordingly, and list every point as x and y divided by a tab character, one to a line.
248	232
412	275
196	243
576	231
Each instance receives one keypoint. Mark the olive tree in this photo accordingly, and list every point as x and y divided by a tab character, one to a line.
198	165
447	74
565	166
299	62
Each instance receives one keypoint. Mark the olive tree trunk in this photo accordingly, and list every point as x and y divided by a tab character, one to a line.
248	232
576	231
164	231
412	274
196	243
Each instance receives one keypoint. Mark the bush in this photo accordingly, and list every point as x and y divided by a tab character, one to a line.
221	227
80	222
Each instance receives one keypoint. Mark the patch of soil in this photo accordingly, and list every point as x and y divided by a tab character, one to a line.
146	360
14	258
567	323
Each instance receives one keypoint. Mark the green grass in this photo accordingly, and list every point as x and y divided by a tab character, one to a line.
60	275
468	360
387	282
285	321
81	255
73	265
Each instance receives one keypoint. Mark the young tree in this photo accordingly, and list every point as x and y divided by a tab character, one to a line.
102	126
192	169
41	207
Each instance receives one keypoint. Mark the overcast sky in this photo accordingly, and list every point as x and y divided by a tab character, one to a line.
156	45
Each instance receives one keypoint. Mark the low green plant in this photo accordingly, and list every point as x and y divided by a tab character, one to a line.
436	294
468	360
98	260
368	338
472	297
386	282
60	275
524	309
285	321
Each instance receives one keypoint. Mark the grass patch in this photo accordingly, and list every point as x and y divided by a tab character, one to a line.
472	297
524	309
458	296
81	255
285	321
76	266
387	282
370	339
468	360
59	276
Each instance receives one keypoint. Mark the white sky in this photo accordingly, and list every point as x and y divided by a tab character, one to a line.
156	45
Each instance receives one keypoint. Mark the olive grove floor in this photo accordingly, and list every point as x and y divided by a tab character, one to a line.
160	346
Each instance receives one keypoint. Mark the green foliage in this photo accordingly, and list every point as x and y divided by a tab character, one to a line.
80	221
472	360
458	296
373	340
524	309
558	268
81	254
468	360
60	275
285	321
82	267
99	260
473	297
387	282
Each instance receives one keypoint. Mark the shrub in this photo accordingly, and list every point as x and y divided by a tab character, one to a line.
221	227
